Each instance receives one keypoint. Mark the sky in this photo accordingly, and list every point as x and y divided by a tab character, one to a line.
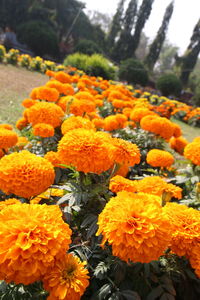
186	14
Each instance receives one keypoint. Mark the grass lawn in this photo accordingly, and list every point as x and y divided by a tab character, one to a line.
16	85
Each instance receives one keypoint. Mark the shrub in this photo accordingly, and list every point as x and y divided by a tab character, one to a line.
87	47
95	65
40	37
133	71
169	84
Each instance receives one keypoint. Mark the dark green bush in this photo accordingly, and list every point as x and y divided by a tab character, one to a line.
133	71
169	84
95	65
39	37
87	47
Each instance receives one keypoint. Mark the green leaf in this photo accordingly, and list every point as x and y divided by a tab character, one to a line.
101	270
103	292
130	295
155	293
88	220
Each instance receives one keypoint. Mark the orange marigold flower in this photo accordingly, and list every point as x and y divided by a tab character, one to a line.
111	123
1	153
119	183
8	138
25	174
62	88
82	106
50	73
22	142
67	280
135	226
125	152
51	192
98	122
178	144
6	203
47	93
75	123
43	112
53	158
6	126
118	103
65	101
62	77
192	152
31	237
85	96
28	102
123	170
21	123
122	120
86	150
138	113
159	158
33	94
43	130
177	130
186	223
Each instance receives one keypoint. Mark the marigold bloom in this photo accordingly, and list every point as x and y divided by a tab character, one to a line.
43	130
82	106
6	126
159	158
53	158
62	88
196	140
177	130
111	123
135	226
178	144
85	96
48	113
138	113
98	122
8	138
47	93
65	101
75	123
67	280
6	203
33	94
28	102
119	183
125	152
51	192
22	142
192	152
123	170
186	223
86	150
25	174
21	123
62	77
31	237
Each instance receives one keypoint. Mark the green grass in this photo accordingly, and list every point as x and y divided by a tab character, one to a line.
16	85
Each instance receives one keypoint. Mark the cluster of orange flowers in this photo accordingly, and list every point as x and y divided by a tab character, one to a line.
192	151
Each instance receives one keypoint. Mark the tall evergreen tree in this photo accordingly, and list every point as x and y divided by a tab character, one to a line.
185	64
116	25
121	46
143	15
156	46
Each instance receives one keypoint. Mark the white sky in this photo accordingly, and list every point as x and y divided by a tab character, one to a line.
185	16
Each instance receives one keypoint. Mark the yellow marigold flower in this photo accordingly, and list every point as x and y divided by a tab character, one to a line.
6	203
196	140
43	112
156	185
22	142
8	138
28	102
192	152
135	226
178	144
48	94
67	280
138	113
51	192
6	126
43	130
75	123
25	174
21	123
159	158
119	183
79	107
125	152
86	150
186	223
32	236
62	77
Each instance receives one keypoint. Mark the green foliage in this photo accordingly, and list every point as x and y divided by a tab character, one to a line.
39	37
95	65
133	71
87	47
169	84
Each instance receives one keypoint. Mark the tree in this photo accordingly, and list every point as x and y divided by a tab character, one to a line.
166	59
115	25
101	19
184	65
128	21
156	46
143	15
